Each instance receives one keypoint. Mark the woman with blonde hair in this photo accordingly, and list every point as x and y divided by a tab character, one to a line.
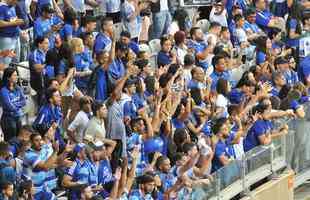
82	66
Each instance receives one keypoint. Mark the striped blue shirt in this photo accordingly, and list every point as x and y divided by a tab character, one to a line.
30	172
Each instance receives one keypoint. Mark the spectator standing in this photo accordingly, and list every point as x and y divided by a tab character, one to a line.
81	64
115	125
49	114
9	31
161	17
96	125
36	165
71	25
219	14
131	18
44	27
76	130
200	48
113	10
103	40
12	101
37	67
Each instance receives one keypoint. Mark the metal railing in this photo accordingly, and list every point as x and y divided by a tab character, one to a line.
291	151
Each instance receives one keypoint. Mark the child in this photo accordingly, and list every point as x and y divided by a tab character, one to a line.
7	191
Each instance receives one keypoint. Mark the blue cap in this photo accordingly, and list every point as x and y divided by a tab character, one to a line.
79	147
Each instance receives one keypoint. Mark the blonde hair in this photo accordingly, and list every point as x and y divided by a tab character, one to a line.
75	43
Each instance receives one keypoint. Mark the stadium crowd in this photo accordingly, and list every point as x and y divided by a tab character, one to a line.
136	99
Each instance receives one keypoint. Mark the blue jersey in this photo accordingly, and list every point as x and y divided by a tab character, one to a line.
259	128
67	31
251	27
163	59
195	84
281	8
135	140
262	19
105	172
102	42
42	27
130	110
304	68
45	118
7	172
8	13
199	47
139	100
116	70
36	78
80	172
292	25
12	102
291	77
167	180
236	96
81	65
221	148
215	76
50	179
260	57
176	123
31	172
101	93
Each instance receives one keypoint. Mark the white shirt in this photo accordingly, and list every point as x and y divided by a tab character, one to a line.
221	19
164	5
173	28
222	102
79	125
96	129
181	53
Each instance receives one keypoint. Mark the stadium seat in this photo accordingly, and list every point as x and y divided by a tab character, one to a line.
155	46
146	48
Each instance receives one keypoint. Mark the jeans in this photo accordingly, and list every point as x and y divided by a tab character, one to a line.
161	23
8	43
10	126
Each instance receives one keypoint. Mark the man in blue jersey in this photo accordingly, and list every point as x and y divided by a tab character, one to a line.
36	164
262	131
79	173
218	62
50	114
44	26
200	47
103	39
37	66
